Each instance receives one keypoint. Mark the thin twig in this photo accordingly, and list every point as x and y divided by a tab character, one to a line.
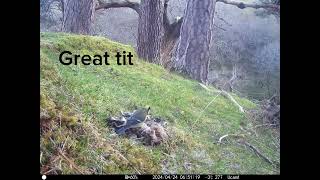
47	172
219	27
223	20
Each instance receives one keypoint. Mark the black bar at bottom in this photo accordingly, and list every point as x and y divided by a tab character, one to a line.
160	177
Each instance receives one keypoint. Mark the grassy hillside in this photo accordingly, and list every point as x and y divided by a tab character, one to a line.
77	99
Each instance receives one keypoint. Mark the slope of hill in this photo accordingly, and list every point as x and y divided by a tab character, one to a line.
77	99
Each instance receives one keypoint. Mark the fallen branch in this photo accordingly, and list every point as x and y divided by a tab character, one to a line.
258	152
227	135
225	94
248	145
204	86
260	125
233	100
220	139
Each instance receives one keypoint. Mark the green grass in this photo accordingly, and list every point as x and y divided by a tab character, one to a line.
77	99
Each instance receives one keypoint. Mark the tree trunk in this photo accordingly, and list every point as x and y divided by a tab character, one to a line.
150	30
170	38
78	16
193	49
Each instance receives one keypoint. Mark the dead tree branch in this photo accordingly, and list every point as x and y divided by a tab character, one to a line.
231	135
258	152
233	78
118	4
227	95
220	18
219	27
268	124
243	141
242	5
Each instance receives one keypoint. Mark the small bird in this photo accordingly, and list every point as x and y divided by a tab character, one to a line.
135	120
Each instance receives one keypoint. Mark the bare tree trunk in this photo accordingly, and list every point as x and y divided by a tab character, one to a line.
193	50
150	30
78	16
